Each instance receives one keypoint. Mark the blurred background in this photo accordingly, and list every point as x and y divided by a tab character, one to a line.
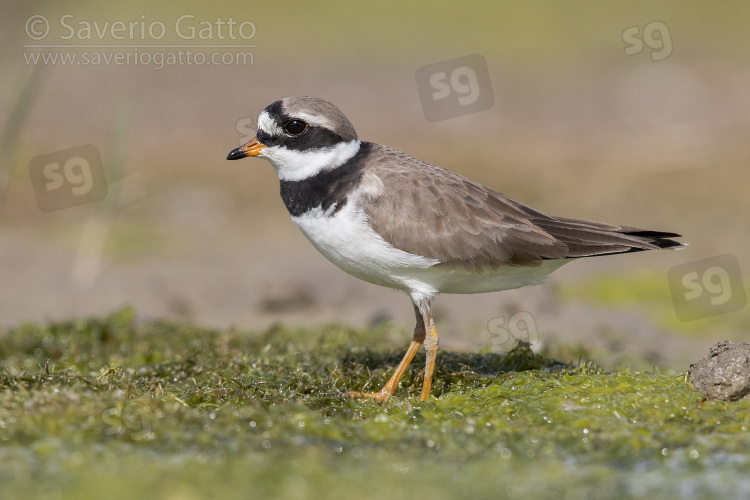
630	112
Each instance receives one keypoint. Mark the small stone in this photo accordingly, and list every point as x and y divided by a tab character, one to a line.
723	374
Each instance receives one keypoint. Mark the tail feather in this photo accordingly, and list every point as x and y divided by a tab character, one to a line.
588	239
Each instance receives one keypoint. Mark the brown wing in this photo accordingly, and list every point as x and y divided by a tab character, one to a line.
429	211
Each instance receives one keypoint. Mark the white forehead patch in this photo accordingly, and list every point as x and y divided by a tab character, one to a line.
269	125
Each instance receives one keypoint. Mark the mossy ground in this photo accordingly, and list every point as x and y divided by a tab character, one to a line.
127	409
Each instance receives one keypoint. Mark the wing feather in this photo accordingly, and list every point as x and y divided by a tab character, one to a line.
429	211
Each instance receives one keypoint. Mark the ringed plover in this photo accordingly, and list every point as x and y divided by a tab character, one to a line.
394	220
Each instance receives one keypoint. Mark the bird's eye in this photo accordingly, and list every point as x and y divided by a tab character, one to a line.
295	127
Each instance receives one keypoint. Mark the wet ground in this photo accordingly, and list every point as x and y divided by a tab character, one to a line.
578	129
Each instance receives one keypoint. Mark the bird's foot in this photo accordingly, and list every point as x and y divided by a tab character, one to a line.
381	395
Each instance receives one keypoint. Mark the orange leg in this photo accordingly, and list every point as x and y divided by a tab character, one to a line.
431	349
390	387
424	332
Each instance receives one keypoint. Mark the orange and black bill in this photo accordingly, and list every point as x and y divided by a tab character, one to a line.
251	148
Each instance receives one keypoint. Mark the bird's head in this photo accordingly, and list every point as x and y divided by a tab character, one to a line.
301	136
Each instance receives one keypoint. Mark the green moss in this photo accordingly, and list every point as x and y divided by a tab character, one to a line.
160	410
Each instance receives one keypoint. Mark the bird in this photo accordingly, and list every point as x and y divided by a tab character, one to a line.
394	220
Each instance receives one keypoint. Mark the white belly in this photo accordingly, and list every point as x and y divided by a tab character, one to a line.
348	241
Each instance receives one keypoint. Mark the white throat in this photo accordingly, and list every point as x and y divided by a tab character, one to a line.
293	165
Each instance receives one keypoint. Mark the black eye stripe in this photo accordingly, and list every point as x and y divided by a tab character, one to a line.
264	137
314	136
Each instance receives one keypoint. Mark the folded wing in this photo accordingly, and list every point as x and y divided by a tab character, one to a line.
429	211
